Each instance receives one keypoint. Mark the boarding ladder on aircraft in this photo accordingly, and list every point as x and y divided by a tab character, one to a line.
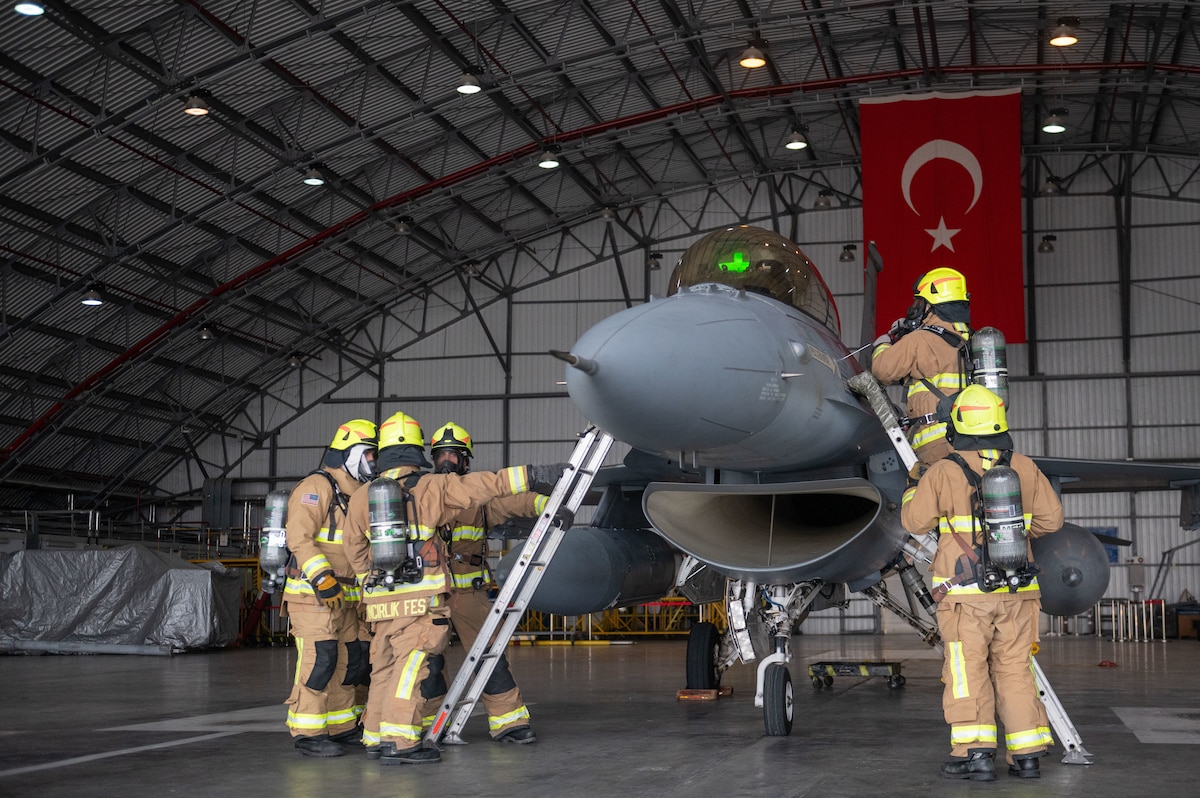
865	385
518	589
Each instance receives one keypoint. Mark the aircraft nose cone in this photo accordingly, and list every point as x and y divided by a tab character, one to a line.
685	373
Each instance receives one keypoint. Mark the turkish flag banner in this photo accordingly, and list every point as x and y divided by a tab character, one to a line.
942	187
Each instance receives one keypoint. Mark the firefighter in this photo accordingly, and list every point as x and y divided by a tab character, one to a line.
988	631
466	536
926	350
410	619
321	596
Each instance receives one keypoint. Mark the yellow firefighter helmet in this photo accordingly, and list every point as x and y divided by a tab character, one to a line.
451	436
399	429
978	411
942	285
356	431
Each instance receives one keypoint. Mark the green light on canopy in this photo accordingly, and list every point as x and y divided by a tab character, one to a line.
739	263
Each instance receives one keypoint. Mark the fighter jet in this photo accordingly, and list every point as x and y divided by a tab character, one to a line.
768	483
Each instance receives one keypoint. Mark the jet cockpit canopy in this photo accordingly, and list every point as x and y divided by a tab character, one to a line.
757	260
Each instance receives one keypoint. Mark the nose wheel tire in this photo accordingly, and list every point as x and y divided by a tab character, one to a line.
777	700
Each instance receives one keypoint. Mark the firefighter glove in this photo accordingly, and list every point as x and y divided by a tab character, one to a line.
883	339
326	586
543	478
564	518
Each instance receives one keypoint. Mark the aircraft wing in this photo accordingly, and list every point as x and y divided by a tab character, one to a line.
1099	476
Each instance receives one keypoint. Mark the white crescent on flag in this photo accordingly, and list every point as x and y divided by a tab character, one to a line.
941	148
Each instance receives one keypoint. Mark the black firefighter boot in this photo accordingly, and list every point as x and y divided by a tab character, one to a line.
320	745
977	765
521	735
352	738
417	755
1025	766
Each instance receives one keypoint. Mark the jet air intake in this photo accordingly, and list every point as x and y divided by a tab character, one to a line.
837	530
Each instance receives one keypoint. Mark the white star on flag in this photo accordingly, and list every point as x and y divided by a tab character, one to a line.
941	235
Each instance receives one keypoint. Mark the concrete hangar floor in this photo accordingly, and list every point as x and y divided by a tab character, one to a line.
608	724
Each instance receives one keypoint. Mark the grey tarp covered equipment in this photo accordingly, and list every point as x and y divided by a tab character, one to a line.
125	596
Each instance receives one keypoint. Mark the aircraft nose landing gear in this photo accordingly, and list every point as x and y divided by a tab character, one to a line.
777	700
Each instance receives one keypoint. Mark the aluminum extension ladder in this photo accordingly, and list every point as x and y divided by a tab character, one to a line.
518	589
864	384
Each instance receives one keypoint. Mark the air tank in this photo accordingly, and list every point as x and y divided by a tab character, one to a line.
389	524
1004	517
272	545
989	361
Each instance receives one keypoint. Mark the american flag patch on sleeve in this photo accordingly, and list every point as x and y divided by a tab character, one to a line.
310	498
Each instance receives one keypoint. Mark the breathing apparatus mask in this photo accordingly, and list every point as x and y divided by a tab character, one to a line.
360	461
450	461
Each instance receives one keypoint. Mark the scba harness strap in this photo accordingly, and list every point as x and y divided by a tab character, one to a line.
962	347
973	560
340	501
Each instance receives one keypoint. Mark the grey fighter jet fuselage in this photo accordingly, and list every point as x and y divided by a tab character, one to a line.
752	454
752	392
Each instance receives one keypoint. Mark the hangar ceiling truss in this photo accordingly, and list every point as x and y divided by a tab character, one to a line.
186	223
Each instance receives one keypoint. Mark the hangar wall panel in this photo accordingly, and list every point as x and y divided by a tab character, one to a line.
1078	311
1163	231
555	290
1025	404
1079	257
1090	444
1164	306
1104	401
545	326
445	375
1090	356
1156	400
1174	444
1078	327
1179	352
